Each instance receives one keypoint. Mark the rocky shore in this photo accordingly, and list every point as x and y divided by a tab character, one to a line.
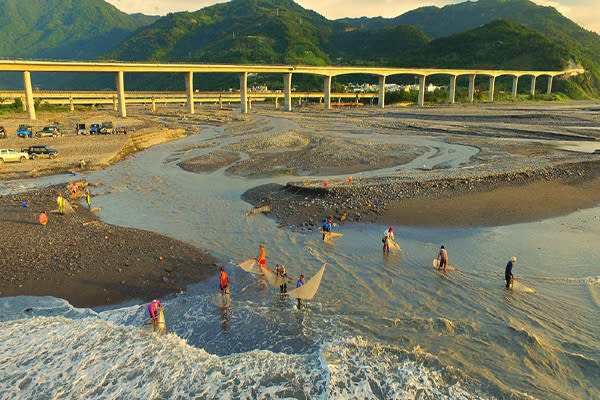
471	200
86	261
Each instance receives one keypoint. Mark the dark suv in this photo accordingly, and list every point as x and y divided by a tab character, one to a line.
35	151
48	131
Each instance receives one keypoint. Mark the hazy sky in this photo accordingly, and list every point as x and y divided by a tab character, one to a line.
584	12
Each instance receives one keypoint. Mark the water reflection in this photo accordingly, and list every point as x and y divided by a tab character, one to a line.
464	318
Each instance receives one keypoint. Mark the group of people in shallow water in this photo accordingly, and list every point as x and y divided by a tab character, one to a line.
442	257
281	271
388	236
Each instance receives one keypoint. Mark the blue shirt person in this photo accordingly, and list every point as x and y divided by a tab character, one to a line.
326	227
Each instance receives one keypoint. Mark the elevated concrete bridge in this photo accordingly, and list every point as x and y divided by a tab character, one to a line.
327	72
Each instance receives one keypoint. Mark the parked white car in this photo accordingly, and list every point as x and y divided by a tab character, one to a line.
7	155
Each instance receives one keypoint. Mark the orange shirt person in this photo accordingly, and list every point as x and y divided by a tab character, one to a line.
262	257
43	219
224	281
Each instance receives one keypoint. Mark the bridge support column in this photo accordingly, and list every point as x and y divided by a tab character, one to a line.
452	90
299	100
121	93
492	87
23	104
153	105
287	91
114	102
515	86
29	95
249	102
532	91
327	92
549	88
71	105
421	100
381	98
244	92
276	102
220	101
471	87
189	88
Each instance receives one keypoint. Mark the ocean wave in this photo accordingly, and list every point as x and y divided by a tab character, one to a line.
527	336
361	369
589	280
94	358
443	326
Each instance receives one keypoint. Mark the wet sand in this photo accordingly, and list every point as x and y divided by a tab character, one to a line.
498	206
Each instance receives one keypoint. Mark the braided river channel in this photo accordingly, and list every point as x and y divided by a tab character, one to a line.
380	326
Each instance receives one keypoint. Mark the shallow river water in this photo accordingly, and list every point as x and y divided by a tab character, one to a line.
380	327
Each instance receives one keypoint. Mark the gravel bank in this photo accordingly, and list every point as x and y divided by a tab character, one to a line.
85	261
472	200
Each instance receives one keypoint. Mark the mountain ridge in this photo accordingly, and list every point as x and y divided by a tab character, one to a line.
64	29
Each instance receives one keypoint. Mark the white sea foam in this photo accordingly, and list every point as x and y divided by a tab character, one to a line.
90	357
93	358
360	369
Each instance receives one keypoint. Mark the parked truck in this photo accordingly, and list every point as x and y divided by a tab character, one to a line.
94	129
24	131
106	128
80	129
7	155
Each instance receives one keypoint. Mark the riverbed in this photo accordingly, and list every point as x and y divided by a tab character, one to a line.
381	326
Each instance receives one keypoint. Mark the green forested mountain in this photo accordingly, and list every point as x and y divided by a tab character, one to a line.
63	29
264	32
441	22
240	31
282	32
501	44
374	47
438	22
